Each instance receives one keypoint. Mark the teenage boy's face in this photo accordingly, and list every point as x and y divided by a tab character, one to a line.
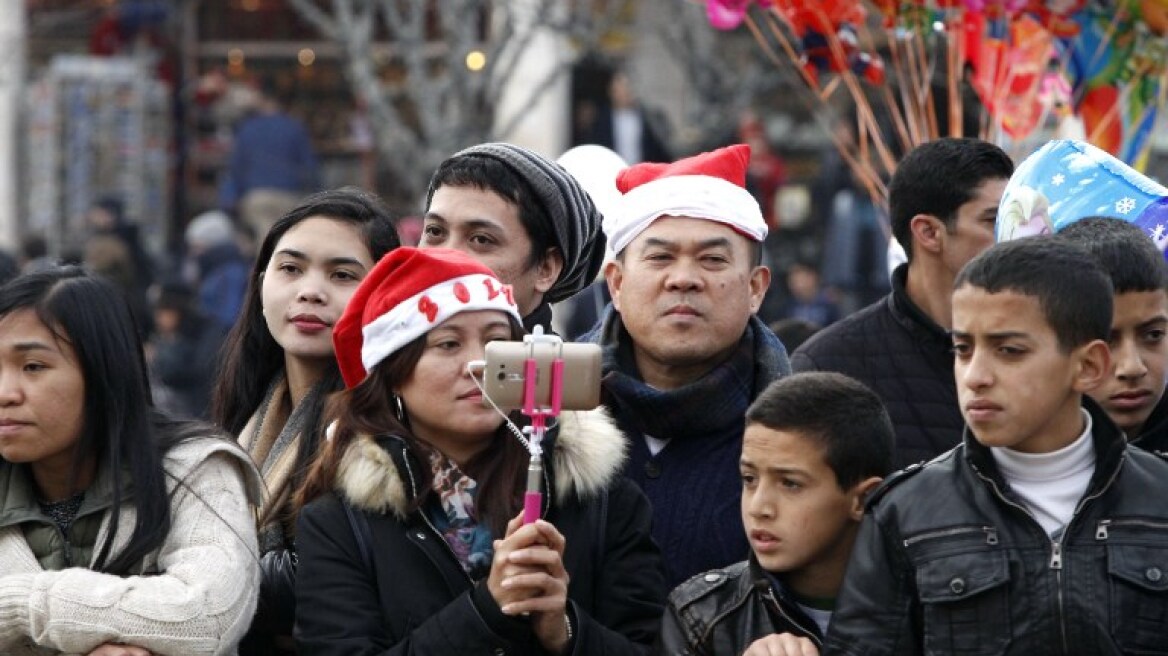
1140	351
1016	387
799	522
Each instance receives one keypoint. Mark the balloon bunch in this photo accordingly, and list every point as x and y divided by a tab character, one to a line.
1101	62
829	36
1113	55
828	33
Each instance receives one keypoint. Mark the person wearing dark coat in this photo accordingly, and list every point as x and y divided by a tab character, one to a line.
405	545
1134	395
684	353
1044	531
816	444
943	202
623	125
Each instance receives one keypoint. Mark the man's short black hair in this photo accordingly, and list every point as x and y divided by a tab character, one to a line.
937	178
1073	291
1126	253
840	413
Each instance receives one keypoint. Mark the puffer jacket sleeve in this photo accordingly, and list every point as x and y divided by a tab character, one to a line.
877	610
338	609
201	602
802	361
627	614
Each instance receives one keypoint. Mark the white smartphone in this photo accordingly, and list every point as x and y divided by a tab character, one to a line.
503	377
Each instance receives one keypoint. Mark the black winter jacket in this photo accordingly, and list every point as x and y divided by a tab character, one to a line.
893	347
948	561
418	599
723	611
1154	434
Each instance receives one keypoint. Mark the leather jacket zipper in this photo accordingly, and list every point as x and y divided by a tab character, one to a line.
814	635
1056	546
990	531
1101	529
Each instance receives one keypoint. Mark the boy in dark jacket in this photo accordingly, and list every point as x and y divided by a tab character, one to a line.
1134	395
815	445
1043	532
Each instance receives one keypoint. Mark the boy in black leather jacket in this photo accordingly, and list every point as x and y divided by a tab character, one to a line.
815	444
1043	532
1134	394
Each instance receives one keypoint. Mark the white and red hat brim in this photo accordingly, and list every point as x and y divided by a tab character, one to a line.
694	196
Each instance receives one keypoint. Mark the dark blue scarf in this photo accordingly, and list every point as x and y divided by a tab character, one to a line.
712	403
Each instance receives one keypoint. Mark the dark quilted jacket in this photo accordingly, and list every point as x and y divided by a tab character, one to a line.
1154	434
906	358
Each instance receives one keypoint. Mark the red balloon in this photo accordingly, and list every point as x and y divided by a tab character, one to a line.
1099	110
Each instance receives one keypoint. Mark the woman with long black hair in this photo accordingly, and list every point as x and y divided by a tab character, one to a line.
278	369
117	524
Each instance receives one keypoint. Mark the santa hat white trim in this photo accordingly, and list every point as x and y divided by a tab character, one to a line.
408	320
697	196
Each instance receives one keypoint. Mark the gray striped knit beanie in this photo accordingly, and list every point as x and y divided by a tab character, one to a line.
575	219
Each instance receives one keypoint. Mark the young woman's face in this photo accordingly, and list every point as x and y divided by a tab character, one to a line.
313	272
42	394
442	401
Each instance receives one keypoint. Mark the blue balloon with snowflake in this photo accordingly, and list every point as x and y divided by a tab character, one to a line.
1064	181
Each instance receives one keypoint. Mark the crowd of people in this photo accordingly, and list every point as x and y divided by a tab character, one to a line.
969	465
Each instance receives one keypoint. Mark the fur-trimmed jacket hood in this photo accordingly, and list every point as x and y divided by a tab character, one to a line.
587	453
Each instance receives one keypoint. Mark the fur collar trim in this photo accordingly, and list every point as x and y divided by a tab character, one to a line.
587	455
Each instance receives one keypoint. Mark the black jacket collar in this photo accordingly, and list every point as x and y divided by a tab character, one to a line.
1109	441
909	314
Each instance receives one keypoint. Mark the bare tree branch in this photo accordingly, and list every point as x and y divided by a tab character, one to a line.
424	103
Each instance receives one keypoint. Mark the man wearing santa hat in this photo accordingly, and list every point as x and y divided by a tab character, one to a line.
522	215
684	354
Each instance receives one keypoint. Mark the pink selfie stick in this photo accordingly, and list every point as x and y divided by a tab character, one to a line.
533	497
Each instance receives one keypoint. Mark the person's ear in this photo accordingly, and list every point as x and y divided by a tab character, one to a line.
548	270
1094	366
614	275
859	496
760	280
928	233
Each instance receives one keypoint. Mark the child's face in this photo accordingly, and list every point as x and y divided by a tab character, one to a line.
1140	352
799	522
1017	389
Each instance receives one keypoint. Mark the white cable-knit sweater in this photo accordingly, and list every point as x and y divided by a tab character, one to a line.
201	600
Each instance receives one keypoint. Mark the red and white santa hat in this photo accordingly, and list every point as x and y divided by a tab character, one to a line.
706	186
408	293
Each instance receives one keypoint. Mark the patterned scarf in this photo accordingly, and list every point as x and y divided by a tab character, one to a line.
455	517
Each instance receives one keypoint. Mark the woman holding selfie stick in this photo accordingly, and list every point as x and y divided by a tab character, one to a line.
411	540
121	531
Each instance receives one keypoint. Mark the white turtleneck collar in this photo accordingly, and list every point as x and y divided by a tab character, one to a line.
1050	484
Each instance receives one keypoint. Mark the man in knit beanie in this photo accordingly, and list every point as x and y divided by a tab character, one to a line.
523	216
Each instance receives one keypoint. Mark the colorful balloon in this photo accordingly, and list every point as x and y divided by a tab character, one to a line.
828	34
726	14
1064	181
